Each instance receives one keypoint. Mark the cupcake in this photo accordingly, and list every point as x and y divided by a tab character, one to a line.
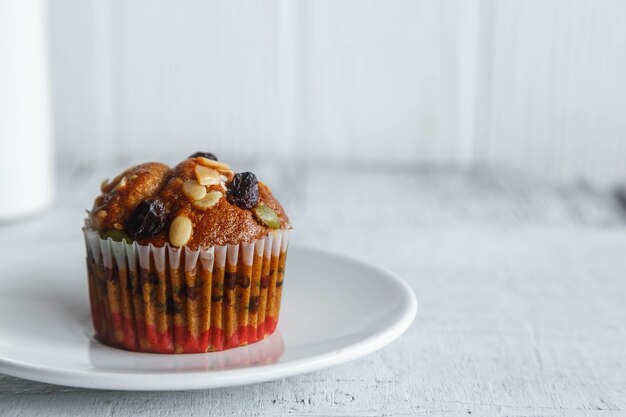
186	259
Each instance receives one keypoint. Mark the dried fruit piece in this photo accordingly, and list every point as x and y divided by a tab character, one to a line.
212	164
116	235
243	190
194	190
267	216
180	231
207	176
147	220
209	200
207	155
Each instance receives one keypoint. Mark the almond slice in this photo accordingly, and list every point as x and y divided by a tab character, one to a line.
211	163
194	190
207	176
209	200
121	184
180	231
107	186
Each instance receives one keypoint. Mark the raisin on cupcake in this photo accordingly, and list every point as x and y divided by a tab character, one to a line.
184	260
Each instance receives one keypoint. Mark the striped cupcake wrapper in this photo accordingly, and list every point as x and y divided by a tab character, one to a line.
176	300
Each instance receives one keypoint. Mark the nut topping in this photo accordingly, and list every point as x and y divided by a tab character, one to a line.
180	231
121	184
212	164
107	186
209	200
194	190
207	176
116	235
267	216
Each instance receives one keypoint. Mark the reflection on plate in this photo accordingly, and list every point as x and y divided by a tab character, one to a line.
267	351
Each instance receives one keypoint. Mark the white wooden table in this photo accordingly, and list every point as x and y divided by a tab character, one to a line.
521	285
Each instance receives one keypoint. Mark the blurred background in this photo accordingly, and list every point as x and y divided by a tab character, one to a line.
533	86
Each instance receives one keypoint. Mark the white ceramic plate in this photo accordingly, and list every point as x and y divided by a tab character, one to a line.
334	309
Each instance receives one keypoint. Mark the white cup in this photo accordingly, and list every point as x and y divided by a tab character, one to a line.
26	168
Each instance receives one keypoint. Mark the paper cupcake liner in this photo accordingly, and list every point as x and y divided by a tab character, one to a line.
176	300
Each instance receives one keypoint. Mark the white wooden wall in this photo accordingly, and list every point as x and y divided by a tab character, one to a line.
535	85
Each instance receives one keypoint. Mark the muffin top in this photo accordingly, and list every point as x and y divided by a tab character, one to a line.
200	202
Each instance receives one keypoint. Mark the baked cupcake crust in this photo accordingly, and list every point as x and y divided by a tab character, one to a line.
123	194
202	208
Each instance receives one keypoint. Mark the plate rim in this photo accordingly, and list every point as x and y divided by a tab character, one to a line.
184	381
